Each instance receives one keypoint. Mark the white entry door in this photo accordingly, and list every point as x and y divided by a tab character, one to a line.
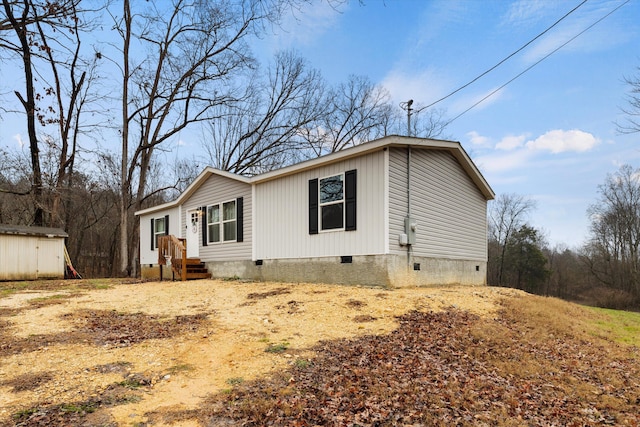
193	233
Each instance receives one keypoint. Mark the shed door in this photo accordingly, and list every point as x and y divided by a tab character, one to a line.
50	258
193	233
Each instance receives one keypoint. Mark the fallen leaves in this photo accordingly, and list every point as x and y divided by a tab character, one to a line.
263	295
29	381
107	327
111	327
521	366
436	369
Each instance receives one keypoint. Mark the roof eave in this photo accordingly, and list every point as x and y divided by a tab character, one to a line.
18	230
388	141
200	179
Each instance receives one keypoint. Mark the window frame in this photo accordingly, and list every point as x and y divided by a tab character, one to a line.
156	233
234	220
222	222
209	223
341	201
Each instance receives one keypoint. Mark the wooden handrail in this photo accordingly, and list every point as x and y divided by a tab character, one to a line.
172	249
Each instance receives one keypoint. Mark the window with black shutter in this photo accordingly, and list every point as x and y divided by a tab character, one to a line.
332	203
313	206
224	222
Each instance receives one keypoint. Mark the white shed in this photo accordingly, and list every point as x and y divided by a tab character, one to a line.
30	253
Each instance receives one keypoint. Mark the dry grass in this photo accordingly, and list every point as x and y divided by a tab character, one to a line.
537	363
533	361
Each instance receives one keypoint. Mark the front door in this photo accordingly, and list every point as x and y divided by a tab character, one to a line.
193	233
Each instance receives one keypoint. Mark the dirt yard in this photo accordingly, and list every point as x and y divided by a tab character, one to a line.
137	348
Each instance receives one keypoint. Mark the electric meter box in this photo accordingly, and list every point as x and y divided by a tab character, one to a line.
410	226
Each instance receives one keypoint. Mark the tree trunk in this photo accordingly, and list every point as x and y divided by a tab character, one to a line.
29	105
124	175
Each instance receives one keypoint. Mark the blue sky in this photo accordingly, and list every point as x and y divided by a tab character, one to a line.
549	135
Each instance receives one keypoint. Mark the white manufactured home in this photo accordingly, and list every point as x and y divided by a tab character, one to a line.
30	253
397	211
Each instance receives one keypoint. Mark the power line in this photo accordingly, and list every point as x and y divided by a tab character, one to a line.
507	58
539	61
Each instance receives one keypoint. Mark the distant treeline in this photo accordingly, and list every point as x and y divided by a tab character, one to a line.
604	272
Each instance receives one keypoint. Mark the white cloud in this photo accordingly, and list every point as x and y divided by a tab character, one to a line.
515	153
504	161
559	141
511	142
478	140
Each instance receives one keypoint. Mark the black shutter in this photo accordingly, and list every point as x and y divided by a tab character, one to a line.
153	234
239	219
350	199
203	225
166	225
313	206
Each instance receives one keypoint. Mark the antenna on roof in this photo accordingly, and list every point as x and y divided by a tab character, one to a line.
407	106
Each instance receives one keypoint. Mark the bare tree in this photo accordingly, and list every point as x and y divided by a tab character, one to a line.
193	49
18	18
356	111
507	215
412	121
613	252
429	123
632	111
47	40
16	198
567	276
71	97
262	131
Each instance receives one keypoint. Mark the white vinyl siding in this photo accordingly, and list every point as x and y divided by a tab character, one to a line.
397	197
217	190
282	222
450	210
149	255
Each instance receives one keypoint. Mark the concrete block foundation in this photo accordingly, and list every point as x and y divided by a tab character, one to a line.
390	271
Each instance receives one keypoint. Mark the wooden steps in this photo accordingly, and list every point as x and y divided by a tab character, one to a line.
196	269
172	248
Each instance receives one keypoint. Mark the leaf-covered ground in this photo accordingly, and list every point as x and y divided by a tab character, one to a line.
122	354
447	368
105	328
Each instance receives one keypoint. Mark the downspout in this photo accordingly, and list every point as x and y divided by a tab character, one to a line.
409	247
408	219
